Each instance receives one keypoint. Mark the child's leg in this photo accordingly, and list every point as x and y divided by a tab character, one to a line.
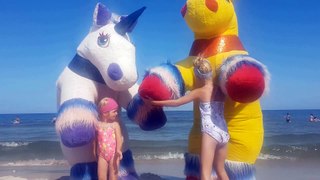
102	169
220	156
113	168
208	147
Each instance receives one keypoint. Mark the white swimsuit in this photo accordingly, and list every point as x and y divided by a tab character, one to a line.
213	122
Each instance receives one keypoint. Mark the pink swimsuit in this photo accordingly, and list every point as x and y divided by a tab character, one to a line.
106	142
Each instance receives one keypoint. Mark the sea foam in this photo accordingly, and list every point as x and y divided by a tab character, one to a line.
13	144
165	156
36	162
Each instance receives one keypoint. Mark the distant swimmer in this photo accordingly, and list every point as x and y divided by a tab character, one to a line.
17	121
54	119
313	118
288	118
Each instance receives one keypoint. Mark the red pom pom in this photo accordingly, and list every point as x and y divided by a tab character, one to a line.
246	84
152	86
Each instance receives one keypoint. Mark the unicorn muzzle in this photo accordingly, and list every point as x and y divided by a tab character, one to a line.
114	72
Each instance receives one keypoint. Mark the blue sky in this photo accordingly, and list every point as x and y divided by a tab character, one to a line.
39	38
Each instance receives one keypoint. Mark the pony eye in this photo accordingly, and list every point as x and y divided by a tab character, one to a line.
103	40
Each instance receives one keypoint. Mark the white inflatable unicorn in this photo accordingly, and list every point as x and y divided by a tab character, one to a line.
104	66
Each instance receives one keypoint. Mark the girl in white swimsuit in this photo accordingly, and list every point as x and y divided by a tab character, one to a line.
213	126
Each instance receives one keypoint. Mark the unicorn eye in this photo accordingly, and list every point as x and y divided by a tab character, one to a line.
103	40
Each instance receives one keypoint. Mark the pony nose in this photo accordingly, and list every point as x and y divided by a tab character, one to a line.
212	5
114	71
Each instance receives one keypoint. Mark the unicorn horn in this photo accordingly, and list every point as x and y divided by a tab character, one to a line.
127	23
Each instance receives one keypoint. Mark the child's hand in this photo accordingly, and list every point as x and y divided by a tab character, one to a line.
150	102
119	154
147	100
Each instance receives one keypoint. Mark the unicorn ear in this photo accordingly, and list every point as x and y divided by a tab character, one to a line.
127	23
101	15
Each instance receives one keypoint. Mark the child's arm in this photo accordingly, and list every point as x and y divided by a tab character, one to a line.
119	139
95	143
194	94
95	148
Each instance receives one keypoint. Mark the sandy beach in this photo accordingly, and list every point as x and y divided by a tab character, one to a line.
172	170
147	169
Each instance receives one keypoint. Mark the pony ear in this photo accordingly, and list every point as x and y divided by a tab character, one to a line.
101	15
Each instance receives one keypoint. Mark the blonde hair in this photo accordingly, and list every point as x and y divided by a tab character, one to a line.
202	68
107	104
103	102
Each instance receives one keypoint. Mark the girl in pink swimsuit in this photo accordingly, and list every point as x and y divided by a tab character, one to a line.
109	140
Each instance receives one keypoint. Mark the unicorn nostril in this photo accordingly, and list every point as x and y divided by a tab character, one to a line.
114	72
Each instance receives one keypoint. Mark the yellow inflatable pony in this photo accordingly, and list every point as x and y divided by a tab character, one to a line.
242	78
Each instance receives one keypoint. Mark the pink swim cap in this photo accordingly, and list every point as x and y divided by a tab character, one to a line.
109	105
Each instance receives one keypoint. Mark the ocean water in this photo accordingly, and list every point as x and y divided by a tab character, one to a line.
34	141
